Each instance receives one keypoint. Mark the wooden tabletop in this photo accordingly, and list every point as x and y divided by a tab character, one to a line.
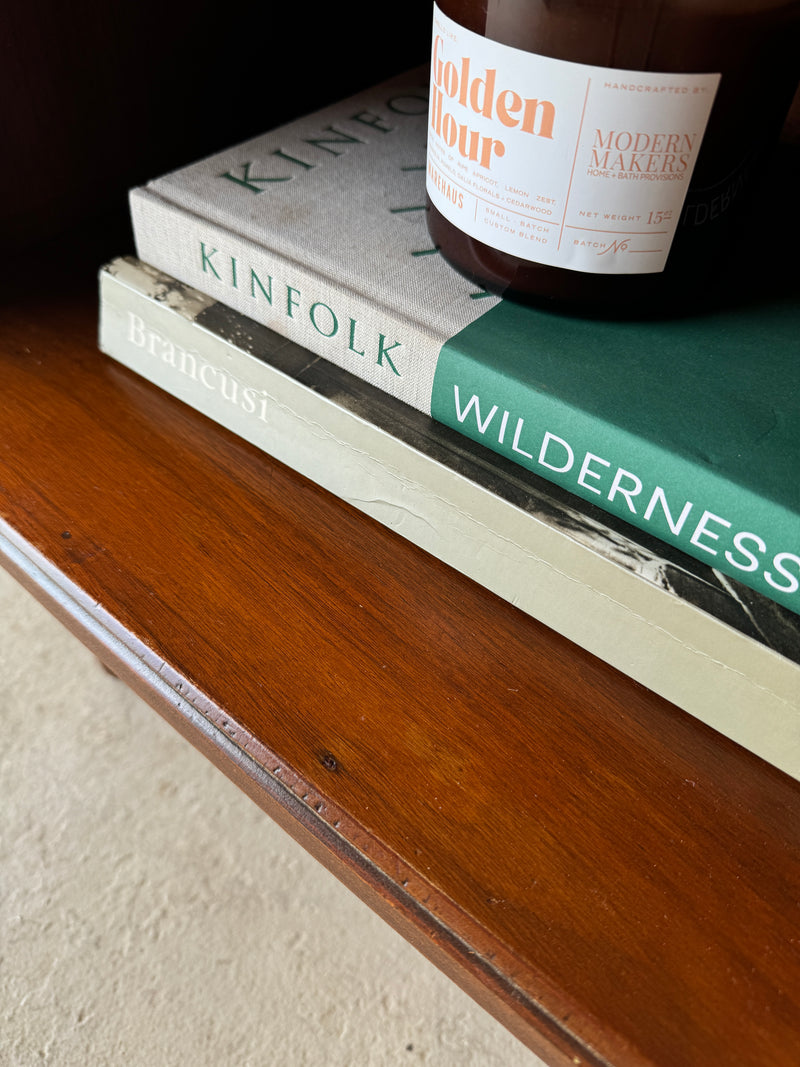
617	883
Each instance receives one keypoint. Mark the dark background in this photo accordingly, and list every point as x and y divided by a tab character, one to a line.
100	95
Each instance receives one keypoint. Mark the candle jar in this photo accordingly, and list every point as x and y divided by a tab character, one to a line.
594	156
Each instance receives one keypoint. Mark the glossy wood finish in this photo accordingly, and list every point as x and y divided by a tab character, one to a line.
614	881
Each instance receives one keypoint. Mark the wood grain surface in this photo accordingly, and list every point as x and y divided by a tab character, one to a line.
617	883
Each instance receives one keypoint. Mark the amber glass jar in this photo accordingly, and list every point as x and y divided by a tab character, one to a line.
594	154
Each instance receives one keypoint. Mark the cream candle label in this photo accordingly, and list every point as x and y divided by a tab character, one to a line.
561	163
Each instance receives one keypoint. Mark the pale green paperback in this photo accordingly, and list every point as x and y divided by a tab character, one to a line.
688	429
717	649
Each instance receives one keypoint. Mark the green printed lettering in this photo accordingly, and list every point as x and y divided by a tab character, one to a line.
352	343
205	259
383	351
253	185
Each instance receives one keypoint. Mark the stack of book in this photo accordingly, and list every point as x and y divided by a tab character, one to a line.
631	484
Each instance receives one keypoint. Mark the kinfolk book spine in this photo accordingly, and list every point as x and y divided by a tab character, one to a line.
317	230
720	651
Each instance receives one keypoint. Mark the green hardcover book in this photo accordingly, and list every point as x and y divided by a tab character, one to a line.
689	429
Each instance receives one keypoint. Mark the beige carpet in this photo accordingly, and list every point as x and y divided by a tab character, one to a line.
152	916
